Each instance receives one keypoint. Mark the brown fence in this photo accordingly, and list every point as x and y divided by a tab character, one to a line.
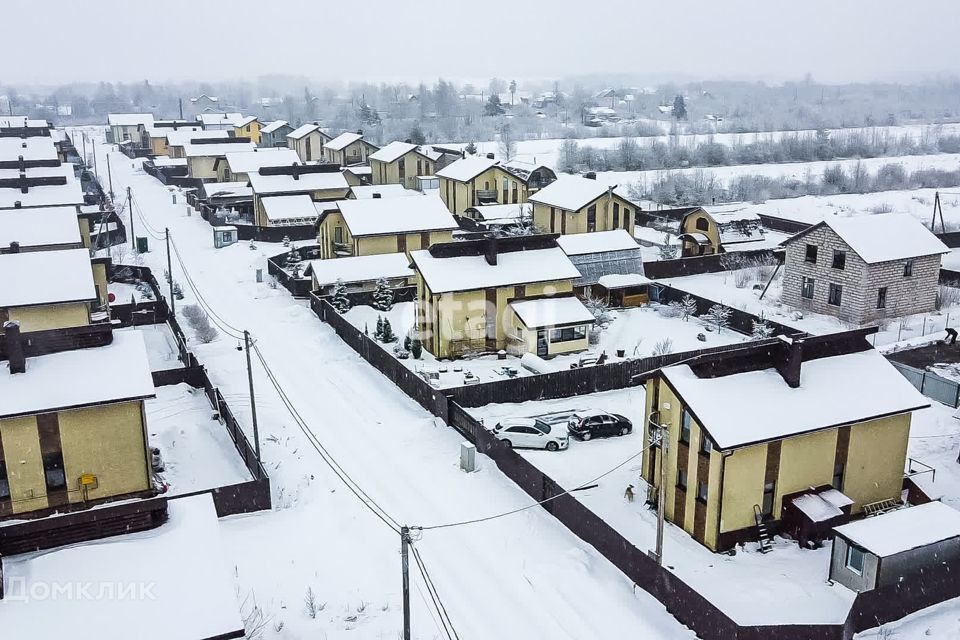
740	320
299	287
701	264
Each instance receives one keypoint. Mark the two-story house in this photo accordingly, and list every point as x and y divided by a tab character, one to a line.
274	134
238	165
573	204
323	183
248	127
348	149
129	127
863	268
308	140
401	163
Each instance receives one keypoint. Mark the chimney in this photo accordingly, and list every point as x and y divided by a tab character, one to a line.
489	156
14	247
17	204
24	188
463	153
23	144
590	175
490	251
790	367
18	363
376	195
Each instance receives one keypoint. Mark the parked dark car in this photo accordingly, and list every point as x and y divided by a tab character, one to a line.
597	424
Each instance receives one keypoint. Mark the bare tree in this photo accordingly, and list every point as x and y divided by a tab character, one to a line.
507	144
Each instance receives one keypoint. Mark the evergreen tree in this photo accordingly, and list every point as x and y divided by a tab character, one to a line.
382	296
493	106
416	348
293	259
388	334
679	108
761	329
340	301
378	333
416	135
471	149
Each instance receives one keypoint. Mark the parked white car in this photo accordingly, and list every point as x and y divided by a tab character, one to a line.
531	433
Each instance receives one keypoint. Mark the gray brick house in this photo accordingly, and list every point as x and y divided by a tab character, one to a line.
863	268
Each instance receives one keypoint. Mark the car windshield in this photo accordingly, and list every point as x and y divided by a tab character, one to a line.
542	426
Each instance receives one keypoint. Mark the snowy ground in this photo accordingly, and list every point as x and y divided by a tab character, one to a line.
522	576
161	345
197	452
941	622
123	292
636	331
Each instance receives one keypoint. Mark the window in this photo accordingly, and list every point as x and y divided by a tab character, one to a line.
592	218
806	288
419	167
882	298
338	235
839	259
855	560
53	470
769	490
568	333
616	215
702	491
837	477
702	224
685	421
681	479
908	268
309	152
811	255
835	294
4	482
626	218
402	168
706	446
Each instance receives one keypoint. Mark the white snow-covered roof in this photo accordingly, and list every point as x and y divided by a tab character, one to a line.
620	280
366	192
466	169
52	195
219	118
570	193
816	508
46	277
227	189
245	121
270	127
393	151
181	586
885	237
279	208
381	216
359	169
36	148
904	529
599	241
833	391
836	498
191	150
285	183
182	136
130	119
466	273
162	132
734	215
303	130
551	312
247	161
167	161
61	170
76	378
342	141
361	268
39	227
503	213
16	122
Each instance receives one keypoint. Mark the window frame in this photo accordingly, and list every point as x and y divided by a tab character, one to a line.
706	445
810	254
686	426
52	481
804	281
839	258
882	298
908	268
837	289
703	491
852	551
682	479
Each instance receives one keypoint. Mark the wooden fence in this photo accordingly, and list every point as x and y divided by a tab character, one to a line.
697	265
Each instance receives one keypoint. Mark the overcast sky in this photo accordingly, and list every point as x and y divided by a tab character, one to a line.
835	40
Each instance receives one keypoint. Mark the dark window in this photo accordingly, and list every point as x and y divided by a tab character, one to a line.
835	294
706	446
769	489
806	288
626	218
338	235
685	421
837	477
53	470
882	298
568	333
4	482
616	215
855	559
811	255
309	153
839	259
702	224
681	479
908	268
592	218
702	491
402	168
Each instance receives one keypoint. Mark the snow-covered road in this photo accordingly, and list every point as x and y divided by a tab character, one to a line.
523	576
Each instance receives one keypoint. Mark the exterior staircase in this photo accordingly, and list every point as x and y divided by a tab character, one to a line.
763	532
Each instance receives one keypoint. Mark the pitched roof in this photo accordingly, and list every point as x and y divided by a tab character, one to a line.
470	272
273	126
182	136
393	151
37	148
193	150
342	141
571	193
220	118
303	130
53	195
366	192
284	183
361	268
381	216
46	277
466	169
552	312
245	121
597	242
76	378
904	529
247	161
286	208
883	237
39	227
831	394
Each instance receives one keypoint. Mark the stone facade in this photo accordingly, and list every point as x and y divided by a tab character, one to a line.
859	280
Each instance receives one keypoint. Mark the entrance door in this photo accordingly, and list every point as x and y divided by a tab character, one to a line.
542	347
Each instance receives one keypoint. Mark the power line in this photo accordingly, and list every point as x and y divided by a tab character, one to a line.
218	320
441	608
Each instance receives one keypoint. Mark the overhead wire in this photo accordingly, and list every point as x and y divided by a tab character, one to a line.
438	601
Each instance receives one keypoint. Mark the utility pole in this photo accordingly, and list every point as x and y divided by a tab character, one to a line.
133	236
937	208
661	493
181	108
405	565
109	176
173	304
253	402
93	142
84	134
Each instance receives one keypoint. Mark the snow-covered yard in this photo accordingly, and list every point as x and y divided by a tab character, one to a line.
197	452
161	346
639	332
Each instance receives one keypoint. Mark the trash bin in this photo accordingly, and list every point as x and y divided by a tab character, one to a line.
143	245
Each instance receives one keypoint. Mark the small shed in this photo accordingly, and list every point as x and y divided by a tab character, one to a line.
549	326
224	236
428	183
885	549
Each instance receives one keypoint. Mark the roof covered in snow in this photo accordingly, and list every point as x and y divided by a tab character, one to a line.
304	129
227	189
361	268
65	170
734	215
381	216
16	122
270	127
247	161
167	161
833	391
466	273
551	312
602	254
46	277
904	529
182	136
306	182
466	169
162	132
503	213
285	208
622	280
816	508
343	140
37	148
366	192
52	195
599	241
164	605
130	119
70	379
393	151
571	193
39	227
883	237
220	118
192	150
245	121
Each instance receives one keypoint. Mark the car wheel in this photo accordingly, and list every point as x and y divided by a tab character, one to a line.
508	443
552	446
587	435
624	431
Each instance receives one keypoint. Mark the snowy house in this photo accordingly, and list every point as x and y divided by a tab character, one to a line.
248	127
348	148
202	155
49	229
705	233
360	273
219	120
203	102
383	225
16	153
468	182
129	126
323	183
574	204
179	138
863	268
368	192
889	549
464	289
358	175
401	163
158	134
32	191
751	431
308	140
548	326
237	165
497	217
601	256
23	127
73	424
274	134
